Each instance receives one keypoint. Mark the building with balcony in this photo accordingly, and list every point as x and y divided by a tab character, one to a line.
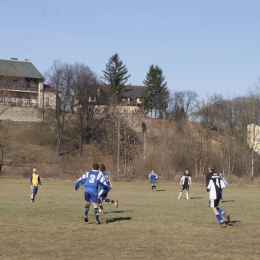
21	84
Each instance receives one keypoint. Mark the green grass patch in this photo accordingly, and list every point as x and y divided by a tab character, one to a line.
146	225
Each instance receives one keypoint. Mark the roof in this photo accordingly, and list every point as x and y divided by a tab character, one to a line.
48	88
14	68
134	91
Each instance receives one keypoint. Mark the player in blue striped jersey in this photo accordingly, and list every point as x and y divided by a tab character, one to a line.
214	186
225	183
91	181
102	195
152	178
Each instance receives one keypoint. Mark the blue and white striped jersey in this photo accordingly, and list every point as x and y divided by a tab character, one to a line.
91	181
153	176
102	186
224	180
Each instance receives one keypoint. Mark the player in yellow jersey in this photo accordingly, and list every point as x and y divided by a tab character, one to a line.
35	181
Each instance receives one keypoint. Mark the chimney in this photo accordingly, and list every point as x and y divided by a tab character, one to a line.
26	60
14	59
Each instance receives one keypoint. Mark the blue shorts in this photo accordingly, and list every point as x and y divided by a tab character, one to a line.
34	189
91	197
152	182
103	193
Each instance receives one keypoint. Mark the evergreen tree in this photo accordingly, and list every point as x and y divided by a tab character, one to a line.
115	78
156	93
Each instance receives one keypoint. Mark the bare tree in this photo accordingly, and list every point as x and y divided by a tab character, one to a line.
130	143
89	102
183	104
60	77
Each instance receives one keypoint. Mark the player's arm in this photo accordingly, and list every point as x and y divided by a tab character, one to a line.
110	183
207	183
39	181
30	178
80	181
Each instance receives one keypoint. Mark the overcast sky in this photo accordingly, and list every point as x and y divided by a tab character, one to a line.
206	46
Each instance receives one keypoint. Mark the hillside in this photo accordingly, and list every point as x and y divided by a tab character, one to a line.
167	146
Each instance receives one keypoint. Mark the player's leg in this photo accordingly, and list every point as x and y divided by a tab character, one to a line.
34	192
152	186
87	199
213	205
94	200
180	193
95	205
100	199
32	195
187	192
223	213
115	202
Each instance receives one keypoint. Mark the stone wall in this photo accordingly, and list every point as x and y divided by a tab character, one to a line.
21	114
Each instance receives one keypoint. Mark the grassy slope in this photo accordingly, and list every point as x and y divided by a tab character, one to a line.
145	226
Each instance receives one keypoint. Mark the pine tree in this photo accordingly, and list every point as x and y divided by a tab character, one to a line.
115	78
156	93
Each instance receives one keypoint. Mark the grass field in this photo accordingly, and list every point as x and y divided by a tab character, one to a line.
146	225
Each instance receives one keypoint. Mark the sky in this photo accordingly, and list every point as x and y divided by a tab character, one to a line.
205	46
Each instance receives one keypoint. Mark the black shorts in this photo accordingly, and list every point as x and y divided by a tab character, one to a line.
213	203
187	187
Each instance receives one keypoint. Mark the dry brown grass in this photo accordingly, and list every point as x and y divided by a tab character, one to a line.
147	225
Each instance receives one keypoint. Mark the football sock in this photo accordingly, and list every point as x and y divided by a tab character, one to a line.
219	218
109	201
100	204
220	211
86	209
180	194
96	214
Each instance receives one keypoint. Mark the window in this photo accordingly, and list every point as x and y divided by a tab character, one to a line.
258	140
47	101
90	99
28	83
138	100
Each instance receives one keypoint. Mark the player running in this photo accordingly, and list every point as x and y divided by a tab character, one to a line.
35	181
91	181
153	177
102	195
185	183
214	185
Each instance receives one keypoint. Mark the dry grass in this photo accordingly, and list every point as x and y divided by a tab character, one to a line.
145	226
